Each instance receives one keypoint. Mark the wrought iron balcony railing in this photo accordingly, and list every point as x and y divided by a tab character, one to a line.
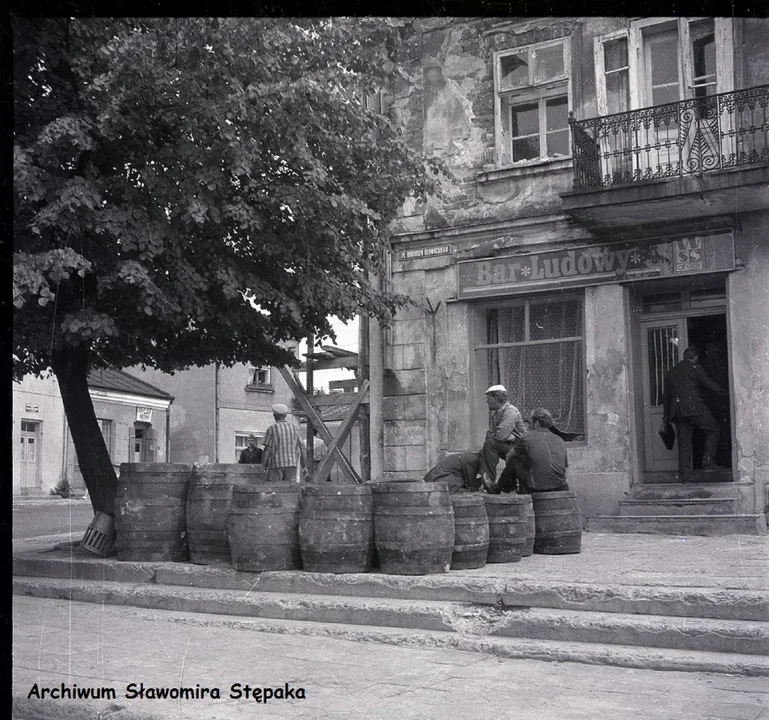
690	137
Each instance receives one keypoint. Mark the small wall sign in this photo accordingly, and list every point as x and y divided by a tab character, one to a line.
144	414
32	408
420	253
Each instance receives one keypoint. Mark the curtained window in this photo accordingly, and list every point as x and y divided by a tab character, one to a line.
535	348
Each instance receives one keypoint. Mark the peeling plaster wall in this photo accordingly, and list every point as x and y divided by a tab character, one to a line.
600	471
449	110
748	291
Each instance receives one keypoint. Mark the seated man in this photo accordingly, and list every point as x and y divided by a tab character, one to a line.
505	426
458	470
538	461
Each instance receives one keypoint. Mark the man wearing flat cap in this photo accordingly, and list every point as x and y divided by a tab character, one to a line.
505	427
252	455
283	448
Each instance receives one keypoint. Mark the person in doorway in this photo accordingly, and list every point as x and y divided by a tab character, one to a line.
283	451
537	461
458	470
252	455
505	427
319	449
683	404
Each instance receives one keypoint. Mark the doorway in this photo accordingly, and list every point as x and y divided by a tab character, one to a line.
670	323
30	456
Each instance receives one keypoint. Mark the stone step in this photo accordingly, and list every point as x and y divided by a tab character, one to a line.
682	506
624	640
459	586
707	525
692	491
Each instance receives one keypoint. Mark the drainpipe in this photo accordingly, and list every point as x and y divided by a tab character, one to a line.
376	392
216	412
168	431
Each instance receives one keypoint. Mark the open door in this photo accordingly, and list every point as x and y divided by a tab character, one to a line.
663	343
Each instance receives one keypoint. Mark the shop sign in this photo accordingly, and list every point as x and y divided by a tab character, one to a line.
32	408
428	252
144	414
595	264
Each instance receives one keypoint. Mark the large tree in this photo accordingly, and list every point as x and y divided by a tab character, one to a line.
199	190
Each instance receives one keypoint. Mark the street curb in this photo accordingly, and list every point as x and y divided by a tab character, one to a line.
634	657
460	586
531	623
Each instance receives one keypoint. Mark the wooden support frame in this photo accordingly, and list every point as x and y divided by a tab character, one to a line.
333	454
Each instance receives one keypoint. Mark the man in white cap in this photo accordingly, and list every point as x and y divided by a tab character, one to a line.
505	427
283	450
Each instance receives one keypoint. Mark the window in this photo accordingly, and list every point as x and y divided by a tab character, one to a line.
663	60
106	430
535	348
259	379
612	68
241	442
532	101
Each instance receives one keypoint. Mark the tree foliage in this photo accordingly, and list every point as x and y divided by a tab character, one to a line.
197	190
171	173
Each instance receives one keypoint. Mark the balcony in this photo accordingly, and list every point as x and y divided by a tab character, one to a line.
701	157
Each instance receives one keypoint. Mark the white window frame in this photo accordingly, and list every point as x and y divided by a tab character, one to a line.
243	435
530	93
724	38
110	438
600	68
253	370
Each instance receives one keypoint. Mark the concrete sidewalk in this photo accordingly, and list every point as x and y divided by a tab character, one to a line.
101	646
725	562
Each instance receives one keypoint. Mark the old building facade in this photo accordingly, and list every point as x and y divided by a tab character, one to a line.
609	207
216	408
133	417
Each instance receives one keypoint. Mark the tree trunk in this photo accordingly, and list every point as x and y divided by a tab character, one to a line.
71	368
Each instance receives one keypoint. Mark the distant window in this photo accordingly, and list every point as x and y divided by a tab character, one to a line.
259	379
106	430
241	442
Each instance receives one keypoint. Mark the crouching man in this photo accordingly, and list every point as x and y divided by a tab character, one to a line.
538	461
458	470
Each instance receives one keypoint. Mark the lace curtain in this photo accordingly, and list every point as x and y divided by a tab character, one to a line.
545	366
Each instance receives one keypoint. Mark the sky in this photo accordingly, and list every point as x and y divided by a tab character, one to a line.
346	339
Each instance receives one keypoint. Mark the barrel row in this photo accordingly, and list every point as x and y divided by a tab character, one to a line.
223	513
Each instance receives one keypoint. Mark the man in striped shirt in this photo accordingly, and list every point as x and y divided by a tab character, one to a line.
283	450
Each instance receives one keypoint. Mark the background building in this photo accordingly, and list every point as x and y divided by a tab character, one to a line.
132	415
611	207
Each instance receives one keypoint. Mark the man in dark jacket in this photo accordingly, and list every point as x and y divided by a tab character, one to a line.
683	405
252	455
458	470
538	460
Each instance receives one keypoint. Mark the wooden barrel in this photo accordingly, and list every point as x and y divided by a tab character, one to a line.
413	527
150	512
529	532
558	523
208	503
507	526
336	528
471	538
263	527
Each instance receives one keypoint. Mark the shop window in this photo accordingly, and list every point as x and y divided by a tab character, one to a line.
535	348
532	103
